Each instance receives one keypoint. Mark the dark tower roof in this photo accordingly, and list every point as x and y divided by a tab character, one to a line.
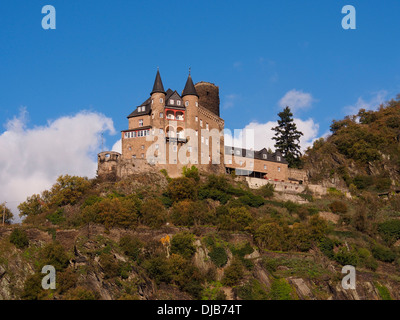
189	88
158	85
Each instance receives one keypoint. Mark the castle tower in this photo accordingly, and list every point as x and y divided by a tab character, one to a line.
208	96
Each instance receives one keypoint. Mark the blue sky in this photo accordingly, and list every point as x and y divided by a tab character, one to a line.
103	58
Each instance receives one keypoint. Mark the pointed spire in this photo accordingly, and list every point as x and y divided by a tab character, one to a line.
158	85
189	87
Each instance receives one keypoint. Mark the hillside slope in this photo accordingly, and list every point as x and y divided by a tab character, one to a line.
143	238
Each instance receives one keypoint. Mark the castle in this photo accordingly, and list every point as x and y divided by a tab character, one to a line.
171	130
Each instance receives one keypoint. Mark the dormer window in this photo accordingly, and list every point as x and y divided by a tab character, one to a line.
278	158
264	156
171	101
178	102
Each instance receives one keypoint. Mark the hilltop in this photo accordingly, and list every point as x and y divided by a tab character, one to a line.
362	152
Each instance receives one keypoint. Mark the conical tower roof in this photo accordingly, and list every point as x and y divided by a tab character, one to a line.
189	88
158	85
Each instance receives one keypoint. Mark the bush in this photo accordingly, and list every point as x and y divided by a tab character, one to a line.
235	219
382	253
131	246
56	217
182	188
362	182
218	256
281	290
192	173
233	274
253	290
267	190
390	230
153	213
19	238
183	213
346	257
80	293
338	207
182	243
54	254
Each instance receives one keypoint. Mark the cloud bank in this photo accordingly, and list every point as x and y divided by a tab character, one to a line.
372	104
31	159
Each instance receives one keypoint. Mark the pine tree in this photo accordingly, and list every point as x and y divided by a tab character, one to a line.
287	138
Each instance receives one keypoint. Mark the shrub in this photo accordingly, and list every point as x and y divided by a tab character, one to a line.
110	265
253	290
131	246
182	188
390	230
346	257
233	274
338	207
218	256
281	290
362	182
19	238
236	219
291	206
252	200
153	213
54	254
384	293
267	190
193	173
382	253
182	243
57	216
183	213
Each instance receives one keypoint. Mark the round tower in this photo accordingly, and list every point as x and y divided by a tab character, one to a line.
208	96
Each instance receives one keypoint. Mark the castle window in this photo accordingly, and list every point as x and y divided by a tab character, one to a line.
161	115
265	167
279	169
142	147
134	156
141	123
187	103
196	118
152	101
161	100
264	156
171	101
126	135
278	158
178	102
130	148
201	123
207	126
197	104
133	134
202	139
197	133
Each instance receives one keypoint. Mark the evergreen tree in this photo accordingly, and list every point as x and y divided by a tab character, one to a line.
287	138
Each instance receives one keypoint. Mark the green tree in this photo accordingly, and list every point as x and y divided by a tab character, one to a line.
8	216
287	138
19	238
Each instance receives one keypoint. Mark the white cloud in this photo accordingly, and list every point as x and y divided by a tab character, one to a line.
259	135
229	101
32	158
117	146
296	100
372	104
